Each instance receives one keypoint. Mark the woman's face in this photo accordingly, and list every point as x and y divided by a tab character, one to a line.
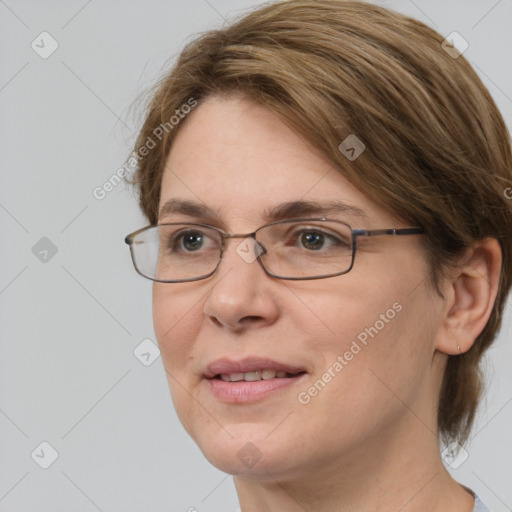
364	340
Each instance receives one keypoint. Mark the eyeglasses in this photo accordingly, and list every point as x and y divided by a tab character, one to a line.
298	249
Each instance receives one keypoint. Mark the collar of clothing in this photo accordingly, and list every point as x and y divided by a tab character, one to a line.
479	505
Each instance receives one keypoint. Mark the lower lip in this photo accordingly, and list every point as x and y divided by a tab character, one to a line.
244	391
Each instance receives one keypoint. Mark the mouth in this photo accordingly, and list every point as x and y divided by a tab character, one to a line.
250	369
251	379
267	374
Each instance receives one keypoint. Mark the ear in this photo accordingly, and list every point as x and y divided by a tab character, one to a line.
470	292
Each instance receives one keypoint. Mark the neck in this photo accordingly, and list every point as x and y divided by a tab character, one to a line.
398	469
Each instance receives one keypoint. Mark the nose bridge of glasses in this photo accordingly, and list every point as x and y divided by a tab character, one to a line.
239	235
256	246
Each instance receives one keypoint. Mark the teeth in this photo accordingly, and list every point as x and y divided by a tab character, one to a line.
253	376
268	374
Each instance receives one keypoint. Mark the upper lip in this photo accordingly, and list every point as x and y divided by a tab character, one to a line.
248	364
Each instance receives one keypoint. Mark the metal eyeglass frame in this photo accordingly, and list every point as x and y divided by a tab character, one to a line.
355	233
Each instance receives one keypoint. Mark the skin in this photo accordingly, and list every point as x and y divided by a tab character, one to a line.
368	440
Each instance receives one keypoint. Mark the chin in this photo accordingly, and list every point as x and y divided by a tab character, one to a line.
248	452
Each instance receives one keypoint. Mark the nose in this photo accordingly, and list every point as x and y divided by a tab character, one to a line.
242	296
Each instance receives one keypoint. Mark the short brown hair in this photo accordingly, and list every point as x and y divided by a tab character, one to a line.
438	152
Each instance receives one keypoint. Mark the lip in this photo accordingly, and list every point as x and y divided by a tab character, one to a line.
248	364
243	392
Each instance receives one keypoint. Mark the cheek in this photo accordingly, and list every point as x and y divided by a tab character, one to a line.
176	321
376	355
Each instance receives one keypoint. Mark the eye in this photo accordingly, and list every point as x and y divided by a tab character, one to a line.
314	239
188	241
191	241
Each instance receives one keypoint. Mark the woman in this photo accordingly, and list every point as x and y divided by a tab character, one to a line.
360	166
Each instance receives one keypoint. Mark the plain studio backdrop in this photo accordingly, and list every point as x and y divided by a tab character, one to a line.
82	389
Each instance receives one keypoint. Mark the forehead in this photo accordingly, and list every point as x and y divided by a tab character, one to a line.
239	160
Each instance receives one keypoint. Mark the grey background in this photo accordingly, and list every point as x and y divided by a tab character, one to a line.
70	324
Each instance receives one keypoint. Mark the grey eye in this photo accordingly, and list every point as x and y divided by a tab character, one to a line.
192	240
312	240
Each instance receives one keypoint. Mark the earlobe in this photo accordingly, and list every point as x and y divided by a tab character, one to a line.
471	293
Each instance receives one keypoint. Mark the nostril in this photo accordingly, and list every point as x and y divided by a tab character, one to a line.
216	321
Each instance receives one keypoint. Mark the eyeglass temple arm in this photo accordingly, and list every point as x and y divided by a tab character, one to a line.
392	231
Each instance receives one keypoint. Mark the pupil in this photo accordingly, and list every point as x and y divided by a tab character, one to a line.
313	240
192	241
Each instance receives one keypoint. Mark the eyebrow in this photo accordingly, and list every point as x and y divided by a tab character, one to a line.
287	210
